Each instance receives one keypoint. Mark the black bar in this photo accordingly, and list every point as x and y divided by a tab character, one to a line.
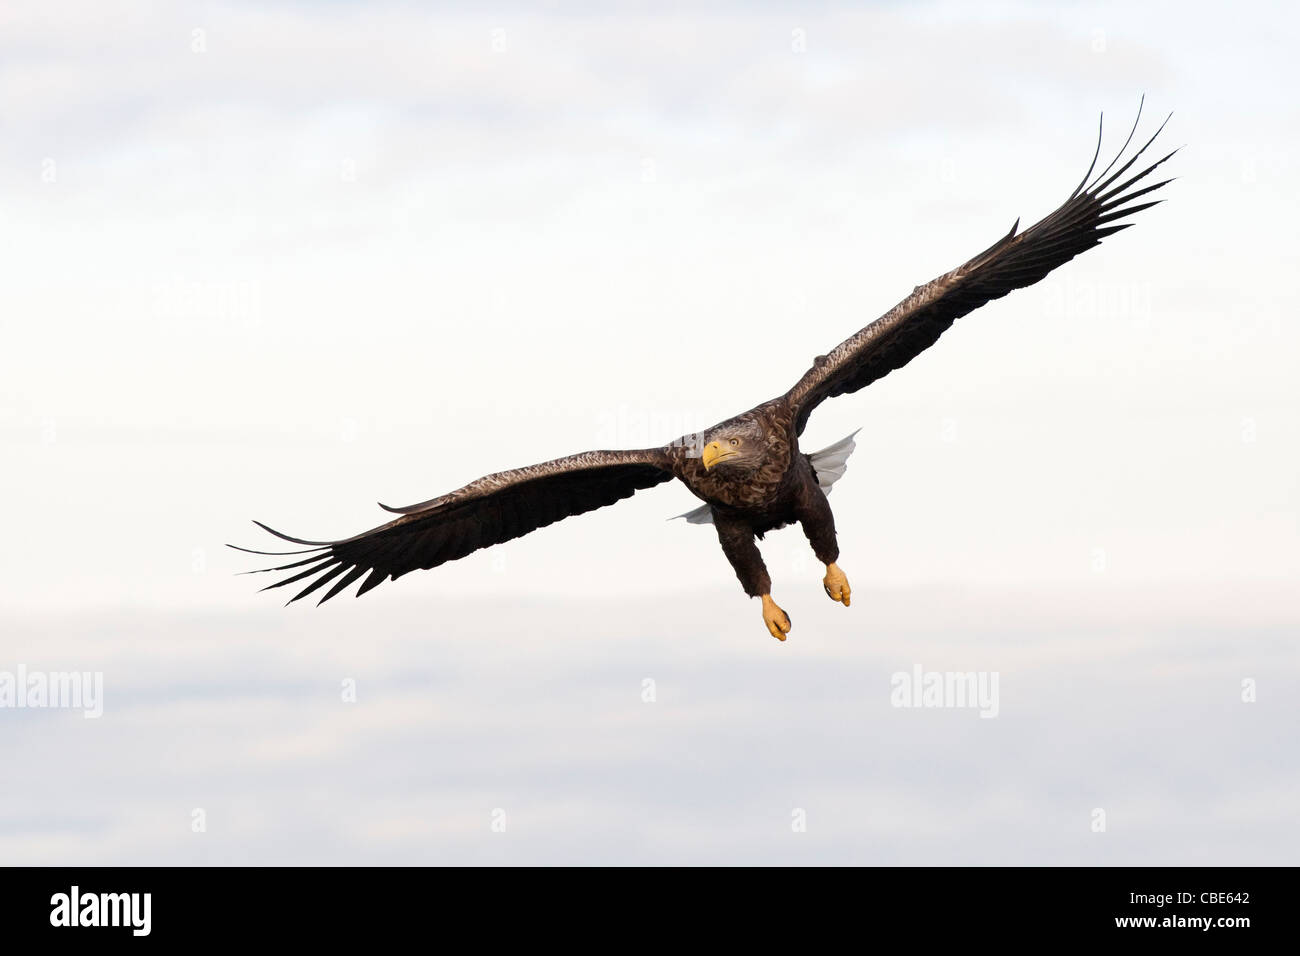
334	906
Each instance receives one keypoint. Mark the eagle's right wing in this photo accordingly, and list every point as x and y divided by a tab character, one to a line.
493	509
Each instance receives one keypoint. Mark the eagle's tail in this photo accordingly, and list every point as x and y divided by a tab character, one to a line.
831	462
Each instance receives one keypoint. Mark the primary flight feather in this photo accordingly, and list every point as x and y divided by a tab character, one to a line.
748	470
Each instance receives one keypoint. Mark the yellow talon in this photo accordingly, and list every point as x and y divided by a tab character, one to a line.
836	584
777	621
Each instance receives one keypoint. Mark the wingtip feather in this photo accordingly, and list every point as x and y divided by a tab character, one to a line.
285	537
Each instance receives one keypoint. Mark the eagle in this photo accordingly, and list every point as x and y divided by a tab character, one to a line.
748	470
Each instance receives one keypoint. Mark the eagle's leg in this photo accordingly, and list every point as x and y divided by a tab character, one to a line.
818	524
737	540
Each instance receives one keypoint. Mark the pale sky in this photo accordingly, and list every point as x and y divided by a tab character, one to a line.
283	260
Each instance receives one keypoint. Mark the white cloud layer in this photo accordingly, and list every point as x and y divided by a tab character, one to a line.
1127	702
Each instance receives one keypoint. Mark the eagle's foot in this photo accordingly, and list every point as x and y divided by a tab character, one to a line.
777	621
836	584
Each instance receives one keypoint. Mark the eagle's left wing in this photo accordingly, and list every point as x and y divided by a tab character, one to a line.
1013	262
493	509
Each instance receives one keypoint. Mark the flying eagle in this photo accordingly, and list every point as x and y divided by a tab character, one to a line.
748	470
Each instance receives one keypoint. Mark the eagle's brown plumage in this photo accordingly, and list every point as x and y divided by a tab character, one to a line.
491	510
748	469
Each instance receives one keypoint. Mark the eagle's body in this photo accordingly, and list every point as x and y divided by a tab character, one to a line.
763	489
749	470
767	483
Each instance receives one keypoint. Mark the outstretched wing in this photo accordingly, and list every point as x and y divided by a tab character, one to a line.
1013	262
493	509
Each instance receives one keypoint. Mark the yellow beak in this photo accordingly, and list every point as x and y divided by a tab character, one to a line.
714	453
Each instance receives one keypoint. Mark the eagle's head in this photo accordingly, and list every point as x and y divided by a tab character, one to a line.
739	445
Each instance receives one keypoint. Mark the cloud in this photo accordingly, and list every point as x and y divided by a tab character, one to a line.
1131	704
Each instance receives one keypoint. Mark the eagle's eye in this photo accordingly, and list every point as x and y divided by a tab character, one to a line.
735	441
